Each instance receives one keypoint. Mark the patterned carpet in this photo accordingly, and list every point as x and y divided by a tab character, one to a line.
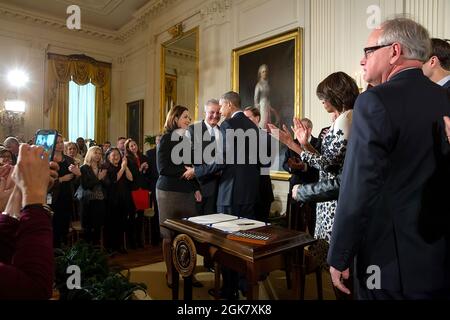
274	288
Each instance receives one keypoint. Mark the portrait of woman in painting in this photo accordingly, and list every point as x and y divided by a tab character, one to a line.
262	98
262	95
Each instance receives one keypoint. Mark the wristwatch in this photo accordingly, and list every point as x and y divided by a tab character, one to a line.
46	207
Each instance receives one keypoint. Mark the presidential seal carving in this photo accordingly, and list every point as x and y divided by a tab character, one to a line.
184	255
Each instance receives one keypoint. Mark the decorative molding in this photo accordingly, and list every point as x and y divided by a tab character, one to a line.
180	53
216	11
176	30
59	24
142	17
103	8
38	45
139	21
121	60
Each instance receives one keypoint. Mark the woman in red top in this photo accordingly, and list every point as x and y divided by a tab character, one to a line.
138	165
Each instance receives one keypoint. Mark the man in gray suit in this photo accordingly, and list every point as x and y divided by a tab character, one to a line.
202	135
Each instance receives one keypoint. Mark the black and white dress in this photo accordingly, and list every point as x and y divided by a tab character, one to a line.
329	163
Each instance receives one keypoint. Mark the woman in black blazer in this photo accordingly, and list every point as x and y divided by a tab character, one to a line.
92	206
138	165
176	197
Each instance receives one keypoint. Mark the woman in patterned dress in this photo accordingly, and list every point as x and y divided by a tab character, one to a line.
338	93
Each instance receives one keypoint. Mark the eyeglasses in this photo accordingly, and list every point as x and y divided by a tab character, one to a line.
369	50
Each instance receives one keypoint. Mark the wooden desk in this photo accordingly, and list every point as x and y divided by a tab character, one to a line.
245	258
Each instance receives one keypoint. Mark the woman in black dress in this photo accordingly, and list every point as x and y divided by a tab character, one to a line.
119	203
62	195
92	204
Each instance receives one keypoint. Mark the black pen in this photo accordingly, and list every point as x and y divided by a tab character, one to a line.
245	224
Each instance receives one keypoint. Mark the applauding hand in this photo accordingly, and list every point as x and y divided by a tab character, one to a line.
283	135
301	131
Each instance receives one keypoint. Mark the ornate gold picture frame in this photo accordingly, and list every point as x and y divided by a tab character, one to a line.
279	96
135	122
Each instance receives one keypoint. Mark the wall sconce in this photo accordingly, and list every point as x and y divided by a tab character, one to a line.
11	117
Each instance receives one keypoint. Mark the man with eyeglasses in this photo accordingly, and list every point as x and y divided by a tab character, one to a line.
390	213
203	134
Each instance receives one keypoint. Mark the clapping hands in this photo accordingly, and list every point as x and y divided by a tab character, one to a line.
101	174
283	135
300	131
124	164
144	167
75	170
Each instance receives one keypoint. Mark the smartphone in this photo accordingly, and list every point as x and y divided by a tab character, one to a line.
47	140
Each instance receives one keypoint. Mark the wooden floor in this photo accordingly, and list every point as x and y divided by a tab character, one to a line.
150	257
137	257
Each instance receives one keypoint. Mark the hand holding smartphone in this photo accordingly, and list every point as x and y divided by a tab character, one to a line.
47	140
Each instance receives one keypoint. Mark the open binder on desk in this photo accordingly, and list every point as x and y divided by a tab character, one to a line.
235	226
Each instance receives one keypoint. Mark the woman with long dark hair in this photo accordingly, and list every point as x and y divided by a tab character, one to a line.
138	165
119	203
338	93
176	196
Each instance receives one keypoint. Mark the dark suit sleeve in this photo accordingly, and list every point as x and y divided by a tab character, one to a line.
287	155
370	143
325	190
208	169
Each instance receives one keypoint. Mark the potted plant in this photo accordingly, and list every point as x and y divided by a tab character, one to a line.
151	140
98	281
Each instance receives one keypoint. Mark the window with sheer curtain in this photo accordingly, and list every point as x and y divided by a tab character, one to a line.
81	111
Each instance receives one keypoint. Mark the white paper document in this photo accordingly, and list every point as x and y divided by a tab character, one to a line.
238	225
212	218
226	222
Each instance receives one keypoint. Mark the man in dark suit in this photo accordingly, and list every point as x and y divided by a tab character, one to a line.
265	195
239	182
384	217
153	176
301	216
437	68
202	135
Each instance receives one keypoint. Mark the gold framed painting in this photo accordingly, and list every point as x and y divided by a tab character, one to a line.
268	75
170	92
135	122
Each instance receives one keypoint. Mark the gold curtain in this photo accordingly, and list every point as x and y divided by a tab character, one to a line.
82	70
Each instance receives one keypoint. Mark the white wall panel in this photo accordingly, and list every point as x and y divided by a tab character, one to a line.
258	17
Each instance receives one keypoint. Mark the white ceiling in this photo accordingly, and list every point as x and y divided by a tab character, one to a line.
106	14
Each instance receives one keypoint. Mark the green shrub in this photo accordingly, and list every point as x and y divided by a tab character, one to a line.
98	281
